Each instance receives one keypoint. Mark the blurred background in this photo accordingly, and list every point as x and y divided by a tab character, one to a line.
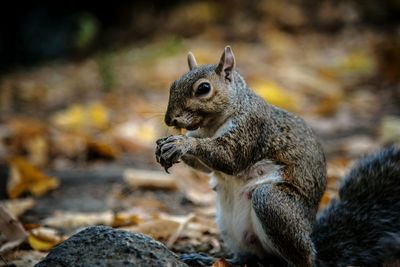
84	86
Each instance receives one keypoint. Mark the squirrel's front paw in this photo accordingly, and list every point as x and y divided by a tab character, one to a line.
170	149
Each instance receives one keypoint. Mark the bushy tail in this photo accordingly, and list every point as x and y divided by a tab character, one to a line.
362	226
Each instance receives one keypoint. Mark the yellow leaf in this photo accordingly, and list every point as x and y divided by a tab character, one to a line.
358	62
71	119
80	118
37	150
98	115
275	94
146	133
27	178
38	244
43	239
135	135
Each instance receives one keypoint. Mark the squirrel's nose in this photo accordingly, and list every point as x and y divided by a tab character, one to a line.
167	119
170	121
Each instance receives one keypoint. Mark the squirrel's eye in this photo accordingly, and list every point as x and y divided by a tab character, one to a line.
203	89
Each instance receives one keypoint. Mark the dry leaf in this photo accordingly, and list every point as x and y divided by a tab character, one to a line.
275	94
195	184
17	207
97	148
390	130
79	118
25	258
37	148
359	62
68	144
150	179
136	135
160	229
79	219
329	103
125	219
11	230
221	263
25	177
43	238
29	137
172	239
336	170
326	198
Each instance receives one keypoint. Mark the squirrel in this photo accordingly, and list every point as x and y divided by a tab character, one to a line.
269	172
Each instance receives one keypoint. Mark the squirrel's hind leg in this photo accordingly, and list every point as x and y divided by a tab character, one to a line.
197	259
284	223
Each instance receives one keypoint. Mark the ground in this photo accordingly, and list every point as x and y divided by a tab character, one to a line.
85	129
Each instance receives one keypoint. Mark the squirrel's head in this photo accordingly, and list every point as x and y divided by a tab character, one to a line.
203	94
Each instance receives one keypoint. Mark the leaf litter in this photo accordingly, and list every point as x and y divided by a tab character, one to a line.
107	136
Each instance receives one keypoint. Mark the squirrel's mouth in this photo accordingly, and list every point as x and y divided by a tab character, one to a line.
192	127
189	125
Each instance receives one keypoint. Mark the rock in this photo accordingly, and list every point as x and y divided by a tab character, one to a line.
104	246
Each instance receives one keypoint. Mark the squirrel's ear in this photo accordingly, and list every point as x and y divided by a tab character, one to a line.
227	63
191	61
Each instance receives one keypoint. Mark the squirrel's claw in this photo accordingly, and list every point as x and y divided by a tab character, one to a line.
170	149
166	169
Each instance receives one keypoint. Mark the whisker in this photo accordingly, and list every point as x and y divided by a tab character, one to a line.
150	112
153	117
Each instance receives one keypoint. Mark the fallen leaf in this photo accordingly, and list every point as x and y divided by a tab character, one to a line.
359	62
78	219
96	148
11	230
390	130
43	238
329	103
67	144
136	135
336	170
326	198
149	179
182	224
25	177
196	185
24	258
28	137
275	94
83	118
17	207
125	219
37	148
221	263
160	229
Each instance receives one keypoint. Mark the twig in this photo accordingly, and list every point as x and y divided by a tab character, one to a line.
178	232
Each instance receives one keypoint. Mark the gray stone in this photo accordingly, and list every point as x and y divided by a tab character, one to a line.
102	246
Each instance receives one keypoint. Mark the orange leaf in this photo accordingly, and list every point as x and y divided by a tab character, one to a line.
27	178
102	149
221	263
124	219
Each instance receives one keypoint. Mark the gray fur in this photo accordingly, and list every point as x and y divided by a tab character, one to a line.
259	131
362	226
233	131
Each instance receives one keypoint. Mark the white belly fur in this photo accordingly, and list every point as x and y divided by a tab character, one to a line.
235	215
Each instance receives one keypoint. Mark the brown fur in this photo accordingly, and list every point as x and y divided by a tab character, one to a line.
256	131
